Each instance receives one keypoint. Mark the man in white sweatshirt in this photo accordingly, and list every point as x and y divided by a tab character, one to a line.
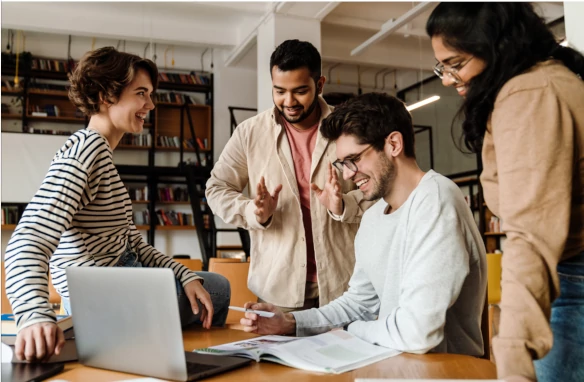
420	275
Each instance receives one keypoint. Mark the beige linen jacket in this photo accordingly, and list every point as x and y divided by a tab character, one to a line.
259	147
533	177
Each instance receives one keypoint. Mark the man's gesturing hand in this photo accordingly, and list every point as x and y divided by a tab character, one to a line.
265	202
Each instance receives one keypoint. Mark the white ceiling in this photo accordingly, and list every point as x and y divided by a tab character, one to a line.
230	25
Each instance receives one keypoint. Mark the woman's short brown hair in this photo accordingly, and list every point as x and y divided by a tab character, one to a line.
102	74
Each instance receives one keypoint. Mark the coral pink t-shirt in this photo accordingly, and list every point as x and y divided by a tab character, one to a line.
302	144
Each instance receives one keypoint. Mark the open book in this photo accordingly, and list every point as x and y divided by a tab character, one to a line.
335	352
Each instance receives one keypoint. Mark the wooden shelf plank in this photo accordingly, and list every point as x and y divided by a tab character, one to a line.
164	228
175	104
49	92
132	147
11	116
495	234
184	87
468	179
189	150
175	228
140	201
8	227
9	92
173	202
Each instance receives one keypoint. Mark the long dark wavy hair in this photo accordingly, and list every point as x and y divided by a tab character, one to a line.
510	38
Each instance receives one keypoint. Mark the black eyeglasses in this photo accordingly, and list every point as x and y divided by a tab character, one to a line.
350	163
440	69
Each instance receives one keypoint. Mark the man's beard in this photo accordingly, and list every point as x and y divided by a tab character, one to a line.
304	115
386	181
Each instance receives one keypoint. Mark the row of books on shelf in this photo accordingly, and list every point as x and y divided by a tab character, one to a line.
51	65
47	131
45	111
180	78
137	140
173	194
170	141
495	225
10	215
138	193
164	218
165	194
38	86
174	97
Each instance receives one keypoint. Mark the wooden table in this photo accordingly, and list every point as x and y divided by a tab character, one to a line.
434	366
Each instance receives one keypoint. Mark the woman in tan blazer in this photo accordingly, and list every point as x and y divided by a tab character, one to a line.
524	109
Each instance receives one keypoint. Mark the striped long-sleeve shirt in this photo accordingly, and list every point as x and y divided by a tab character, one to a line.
80	216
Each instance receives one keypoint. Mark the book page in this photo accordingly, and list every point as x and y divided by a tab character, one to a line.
333	352
251	348
425	380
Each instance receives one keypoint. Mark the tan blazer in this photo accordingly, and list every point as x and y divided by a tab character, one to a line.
259	147
533	157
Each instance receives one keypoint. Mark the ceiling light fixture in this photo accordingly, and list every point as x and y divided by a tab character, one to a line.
424	102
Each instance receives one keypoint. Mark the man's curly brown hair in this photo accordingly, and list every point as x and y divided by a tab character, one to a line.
101	76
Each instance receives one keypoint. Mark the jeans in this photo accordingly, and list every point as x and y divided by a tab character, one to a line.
215	284
565	361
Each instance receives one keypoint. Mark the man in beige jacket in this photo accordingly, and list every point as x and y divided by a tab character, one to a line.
300	256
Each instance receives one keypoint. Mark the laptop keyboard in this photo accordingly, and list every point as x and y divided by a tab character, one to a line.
195	368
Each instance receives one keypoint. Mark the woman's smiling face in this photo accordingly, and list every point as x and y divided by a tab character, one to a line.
457	68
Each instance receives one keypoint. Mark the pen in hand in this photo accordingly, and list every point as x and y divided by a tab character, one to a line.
260	313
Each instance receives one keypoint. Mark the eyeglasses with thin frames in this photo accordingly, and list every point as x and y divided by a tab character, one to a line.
440	69
350	163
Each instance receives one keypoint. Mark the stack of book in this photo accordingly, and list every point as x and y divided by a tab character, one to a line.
9	331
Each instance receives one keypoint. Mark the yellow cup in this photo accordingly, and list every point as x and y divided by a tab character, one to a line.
494	277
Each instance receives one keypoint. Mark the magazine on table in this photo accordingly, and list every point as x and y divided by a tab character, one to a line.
334	352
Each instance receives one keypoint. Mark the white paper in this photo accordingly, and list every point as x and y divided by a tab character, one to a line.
336	351
425	380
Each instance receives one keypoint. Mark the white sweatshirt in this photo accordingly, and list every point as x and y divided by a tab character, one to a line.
420	276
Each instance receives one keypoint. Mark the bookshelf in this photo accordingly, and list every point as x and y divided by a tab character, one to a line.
181	125
491	232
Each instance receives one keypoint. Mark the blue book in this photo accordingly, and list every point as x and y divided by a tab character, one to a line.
9	324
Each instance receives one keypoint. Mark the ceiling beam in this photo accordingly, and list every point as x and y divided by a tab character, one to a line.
248	42
372	25
241	49
326	9
391	26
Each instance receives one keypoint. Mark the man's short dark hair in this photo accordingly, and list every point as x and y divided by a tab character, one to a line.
296	54
370	118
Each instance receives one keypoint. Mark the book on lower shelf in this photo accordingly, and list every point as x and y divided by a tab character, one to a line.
333	352
9	324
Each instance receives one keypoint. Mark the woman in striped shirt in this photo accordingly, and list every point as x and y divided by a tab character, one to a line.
82	213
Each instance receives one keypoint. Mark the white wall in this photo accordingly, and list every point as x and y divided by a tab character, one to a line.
573	13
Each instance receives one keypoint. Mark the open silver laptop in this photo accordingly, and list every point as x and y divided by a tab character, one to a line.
127	319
